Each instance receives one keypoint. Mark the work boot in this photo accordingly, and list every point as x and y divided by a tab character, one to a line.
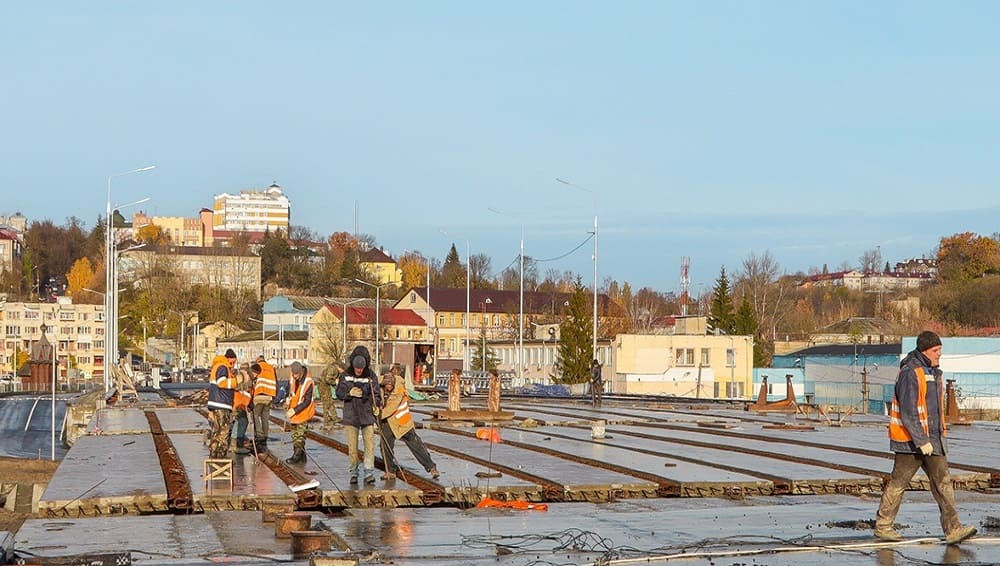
241	451
888	535
298	457
961	533
370	480
354	480
435	473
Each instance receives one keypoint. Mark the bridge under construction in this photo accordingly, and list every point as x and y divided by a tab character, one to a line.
653	475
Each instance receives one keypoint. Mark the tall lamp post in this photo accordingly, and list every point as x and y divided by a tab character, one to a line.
344	319
567	183
263	342
520	308
378	304
110	299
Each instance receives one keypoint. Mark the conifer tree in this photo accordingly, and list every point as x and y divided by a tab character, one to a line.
491	359
576	350
721	316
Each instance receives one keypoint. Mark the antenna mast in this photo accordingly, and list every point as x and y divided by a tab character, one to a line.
685	283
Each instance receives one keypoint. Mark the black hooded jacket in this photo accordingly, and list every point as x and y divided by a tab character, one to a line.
359	411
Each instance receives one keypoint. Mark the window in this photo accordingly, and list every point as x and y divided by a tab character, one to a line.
413	298
730	358
704	357
685	356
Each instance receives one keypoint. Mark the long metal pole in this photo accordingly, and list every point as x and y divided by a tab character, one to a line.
520	318
108	266
55	344
468	283
595	277
378	332
344	336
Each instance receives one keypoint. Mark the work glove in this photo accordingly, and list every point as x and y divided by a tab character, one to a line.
927	449
355	392
290	413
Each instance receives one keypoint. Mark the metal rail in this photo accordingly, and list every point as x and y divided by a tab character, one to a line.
179	494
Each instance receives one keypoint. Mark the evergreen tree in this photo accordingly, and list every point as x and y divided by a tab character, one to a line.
576	351
721	316
453	271
491	360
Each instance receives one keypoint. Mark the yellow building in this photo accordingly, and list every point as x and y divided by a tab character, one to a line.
181	231
685	365
380	268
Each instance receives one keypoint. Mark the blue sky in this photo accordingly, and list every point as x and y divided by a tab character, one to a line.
811	130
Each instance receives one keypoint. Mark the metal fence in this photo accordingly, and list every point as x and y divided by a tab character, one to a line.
475	381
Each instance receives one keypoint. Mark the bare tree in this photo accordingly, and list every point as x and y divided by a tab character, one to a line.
871	261
759	282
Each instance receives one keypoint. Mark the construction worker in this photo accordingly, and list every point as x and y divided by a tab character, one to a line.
241	408
596	383
917	433
265	388
326	385
358	387
397	422
221	392
301	408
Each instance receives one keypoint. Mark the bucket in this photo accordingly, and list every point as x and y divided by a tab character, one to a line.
304	543
285	523
597	429
270	508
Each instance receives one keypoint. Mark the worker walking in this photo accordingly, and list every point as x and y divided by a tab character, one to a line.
265	388
358	387
221	392
397	422
917	435
301	408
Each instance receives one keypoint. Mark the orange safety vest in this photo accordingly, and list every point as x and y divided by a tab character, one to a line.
241	400
227	382
266	383
299	395
897	431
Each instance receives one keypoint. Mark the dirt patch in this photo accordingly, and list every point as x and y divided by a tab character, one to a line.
23	471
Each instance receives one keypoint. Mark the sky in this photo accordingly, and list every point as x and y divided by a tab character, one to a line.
810	131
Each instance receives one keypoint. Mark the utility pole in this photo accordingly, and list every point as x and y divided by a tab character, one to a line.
864	390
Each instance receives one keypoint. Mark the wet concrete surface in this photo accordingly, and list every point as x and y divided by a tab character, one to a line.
776	531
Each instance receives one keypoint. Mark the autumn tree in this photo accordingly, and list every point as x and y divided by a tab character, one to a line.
965	256
80	280
153	234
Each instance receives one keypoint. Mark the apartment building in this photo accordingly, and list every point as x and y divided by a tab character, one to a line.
217	267
76	329
252	211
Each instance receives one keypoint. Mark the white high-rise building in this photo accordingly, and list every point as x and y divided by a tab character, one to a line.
252	211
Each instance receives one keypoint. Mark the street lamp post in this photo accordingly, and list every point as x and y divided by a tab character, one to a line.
110	299
378	331
595	254
263	342
468	283
520	308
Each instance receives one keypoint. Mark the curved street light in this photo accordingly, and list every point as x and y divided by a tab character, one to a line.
378	331
520	308
110	276
575	186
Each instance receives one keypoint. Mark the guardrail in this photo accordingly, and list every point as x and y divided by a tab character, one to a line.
475	381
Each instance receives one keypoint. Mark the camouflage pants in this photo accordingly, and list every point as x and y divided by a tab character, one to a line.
299	435
329	409
221	421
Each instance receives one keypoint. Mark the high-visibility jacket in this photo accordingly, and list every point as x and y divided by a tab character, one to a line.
267	382
302	401
897	430
221	384
396	411
241	400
